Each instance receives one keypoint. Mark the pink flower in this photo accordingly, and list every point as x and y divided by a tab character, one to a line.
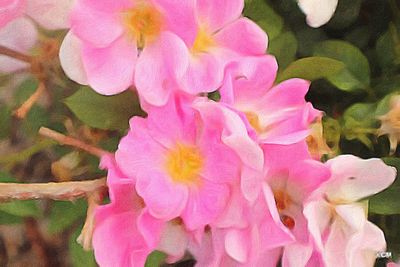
110	35
182	169
338	219
277	114
141	234
221	35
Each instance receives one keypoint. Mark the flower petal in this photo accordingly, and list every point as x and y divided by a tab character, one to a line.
50	14
318	12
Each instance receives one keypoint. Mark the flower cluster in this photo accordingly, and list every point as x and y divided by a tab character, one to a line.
232	181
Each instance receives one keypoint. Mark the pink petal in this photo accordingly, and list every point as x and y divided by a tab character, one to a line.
180	18
237	245
174	241
97	28
21	42
159	66
296	255
71	60
164	199
109	6
354	178
205	204
150	228
204	74
50	14
110	70
10	10
217	13
231	37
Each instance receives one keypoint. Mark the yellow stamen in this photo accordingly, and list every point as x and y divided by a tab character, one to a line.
254	121
184	164
203	42
144	22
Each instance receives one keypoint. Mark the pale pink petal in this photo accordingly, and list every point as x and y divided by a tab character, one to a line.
109	6
204	74
21	42
50	14
10	10
179	18
353	215
231	37
251	77
296	255
250	183
234	132
110	70
354	178
159	66
204	204
150	228
318	12
98	28
165	200
174	241
237	244
215	14
71	60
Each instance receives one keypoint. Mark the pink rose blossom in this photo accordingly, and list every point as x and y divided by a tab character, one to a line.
278	114
182	169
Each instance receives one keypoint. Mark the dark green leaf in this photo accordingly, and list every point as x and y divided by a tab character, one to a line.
63	214
311	68
80	257
104	112
388	201
284	48
356	74
23	208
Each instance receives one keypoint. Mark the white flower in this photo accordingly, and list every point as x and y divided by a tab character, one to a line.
318	12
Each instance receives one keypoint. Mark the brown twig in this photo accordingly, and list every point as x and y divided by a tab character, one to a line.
57	191
85	238
15	54
21	112
66	140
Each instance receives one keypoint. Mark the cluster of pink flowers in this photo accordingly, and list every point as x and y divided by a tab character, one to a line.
231	182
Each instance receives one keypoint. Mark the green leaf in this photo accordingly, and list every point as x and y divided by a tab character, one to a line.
260	12
284	48
104	112
311	68
64	213
24	91
356	74
359	122
21	208
80	257
346	13
155	259
388	201
6	218
388	48
5	121
36	118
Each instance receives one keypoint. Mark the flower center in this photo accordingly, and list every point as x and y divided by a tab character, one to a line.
283	201
144	22
203	41
184	164
254	121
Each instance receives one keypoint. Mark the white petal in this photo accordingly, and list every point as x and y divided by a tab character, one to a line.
318	12
70	58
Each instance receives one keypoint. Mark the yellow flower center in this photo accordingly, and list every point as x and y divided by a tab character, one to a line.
144	22
254	121
184	163
203	41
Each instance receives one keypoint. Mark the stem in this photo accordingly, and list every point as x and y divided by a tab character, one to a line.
15	54
57	191
66	140
27	105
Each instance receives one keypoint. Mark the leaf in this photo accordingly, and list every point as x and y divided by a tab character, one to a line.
346	13
63	214
388	201
260	12
24	91
5	121
284	48
356	74
6	218
21	208
80	257
36	118
311	68
155	259
104	112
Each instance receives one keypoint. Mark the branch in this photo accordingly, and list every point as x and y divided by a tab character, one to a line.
66	140
27	105
57	191
15	54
